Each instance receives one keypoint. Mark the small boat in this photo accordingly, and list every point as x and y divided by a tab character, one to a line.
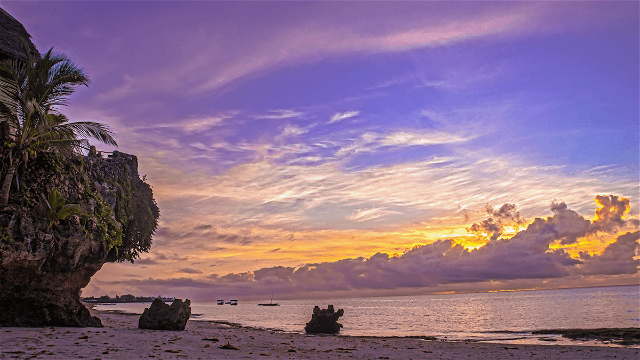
233	302
220	302
270	303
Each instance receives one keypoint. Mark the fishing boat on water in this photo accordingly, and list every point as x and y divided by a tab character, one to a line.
270	303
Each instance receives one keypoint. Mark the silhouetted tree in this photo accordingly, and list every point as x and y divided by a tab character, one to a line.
30	92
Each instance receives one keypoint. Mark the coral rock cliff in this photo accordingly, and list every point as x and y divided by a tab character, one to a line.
45	258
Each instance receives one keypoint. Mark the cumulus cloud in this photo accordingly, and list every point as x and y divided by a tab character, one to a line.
277	272
617	258
569	224
341	116
487	226
236	278
610	213
505	214
527	255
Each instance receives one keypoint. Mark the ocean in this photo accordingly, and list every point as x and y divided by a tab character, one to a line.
489	317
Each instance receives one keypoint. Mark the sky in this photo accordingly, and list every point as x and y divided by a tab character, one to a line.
315	149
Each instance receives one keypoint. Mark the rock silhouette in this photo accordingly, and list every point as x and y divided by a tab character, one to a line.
161	316
324	321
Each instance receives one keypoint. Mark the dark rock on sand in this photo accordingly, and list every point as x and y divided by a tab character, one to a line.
161	316
228	346
324	321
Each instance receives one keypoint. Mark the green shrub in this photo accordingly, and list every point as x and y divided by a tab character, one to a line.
57	207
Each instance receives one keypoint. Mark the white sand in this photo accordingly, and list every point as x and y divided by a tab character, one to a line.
121	339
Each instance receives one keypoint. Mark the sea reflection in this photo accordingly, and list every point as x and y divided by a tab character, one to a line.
503	316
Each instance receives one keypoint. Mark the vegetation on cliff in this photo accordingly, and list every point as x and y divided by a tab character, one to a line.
108	201
31	91
45	260
63	214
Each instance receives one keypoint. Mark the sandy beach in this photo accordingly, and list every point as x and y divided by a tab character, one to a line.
120	338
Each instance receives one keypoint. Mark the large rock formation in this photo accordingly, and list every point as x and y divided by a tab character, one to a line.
46	259
48	254
10	33
324	321
161	316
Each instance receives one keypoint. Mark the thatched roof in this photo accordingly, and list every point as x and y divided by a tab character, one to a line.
10	32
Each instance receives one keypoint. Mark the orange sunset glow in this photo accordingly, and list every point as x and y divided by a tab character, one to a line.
354	148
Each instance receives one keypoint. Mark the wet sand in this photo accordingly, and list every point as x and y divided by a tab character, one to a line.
121	339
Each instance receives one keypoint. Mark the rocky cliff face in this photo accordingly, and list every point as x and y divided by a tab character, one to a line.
10	33
47	258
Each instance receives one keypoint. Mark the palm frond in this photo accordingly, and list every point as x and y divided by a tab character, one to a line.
88	129
30	92
10	74
62	140
58	79
55	119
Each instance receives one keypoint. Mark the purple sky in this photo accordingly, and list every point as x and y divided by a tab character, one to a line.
312	146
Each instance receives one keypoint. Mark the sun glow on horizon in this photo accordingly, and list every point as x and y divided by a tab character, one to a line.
386	154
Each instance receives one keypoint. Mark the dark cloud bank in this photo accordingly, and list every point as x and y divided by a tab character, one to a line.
524	256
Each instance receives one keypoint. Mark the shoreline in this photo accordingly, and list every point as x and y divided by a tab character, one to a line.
121	338
534	337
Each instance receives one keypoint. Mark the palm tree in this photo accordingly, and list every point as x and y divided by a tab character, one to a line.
30	92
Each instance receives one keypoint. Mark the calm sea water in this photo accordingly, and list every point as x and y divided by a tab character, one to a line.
503	316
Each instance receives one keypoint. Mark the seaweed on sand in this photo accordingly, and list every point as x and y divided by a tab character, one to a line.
622	336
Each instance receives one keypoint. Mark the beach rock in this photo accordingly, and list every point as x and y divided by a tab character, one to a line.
324	321
161	316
